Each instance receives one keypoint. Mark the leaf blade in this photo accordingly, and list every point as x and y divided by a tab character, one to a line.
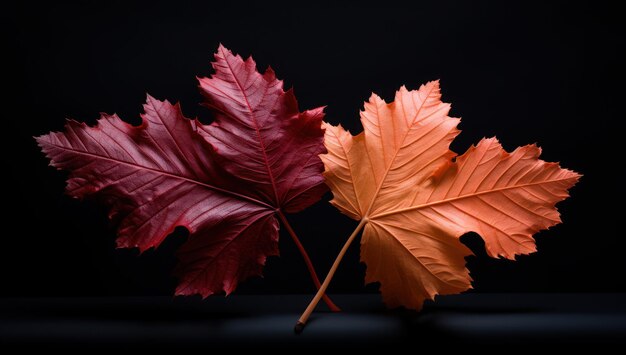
172	171
153	184
421	192
256	146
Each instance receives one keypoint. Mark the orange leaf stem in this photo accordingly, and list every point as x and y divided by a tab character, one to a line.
305	316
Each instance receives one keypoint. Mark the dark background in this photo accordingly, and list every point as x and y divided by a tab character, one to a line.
525	72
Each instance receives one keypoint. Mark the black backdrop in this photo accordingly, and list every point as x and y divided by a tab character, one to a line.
546	73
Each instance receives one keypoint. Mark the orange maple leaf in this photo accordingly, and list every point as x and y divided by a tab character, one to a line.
415	199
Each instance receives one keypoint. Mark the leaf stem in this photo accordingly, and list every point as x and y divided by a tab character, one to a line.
307	261
305	316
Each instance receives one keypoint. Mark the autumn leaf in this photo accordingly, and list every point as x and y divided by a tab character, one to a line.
226	182
415	199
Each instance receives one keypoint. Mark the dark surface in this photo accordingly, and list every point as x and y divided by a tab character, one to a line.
253	321
549	72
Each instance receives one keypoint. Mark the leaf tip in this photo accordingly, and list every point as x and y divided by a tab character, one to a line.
433	85
270	75
41	139
222	50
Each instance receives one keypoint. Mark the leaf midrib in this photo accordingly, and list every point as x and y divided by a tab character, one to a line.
256	128
222	248
414	257
382	181
448	200
165	173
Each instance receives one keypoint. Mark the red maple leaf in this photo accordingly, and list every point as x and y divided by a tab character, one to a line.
226	182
